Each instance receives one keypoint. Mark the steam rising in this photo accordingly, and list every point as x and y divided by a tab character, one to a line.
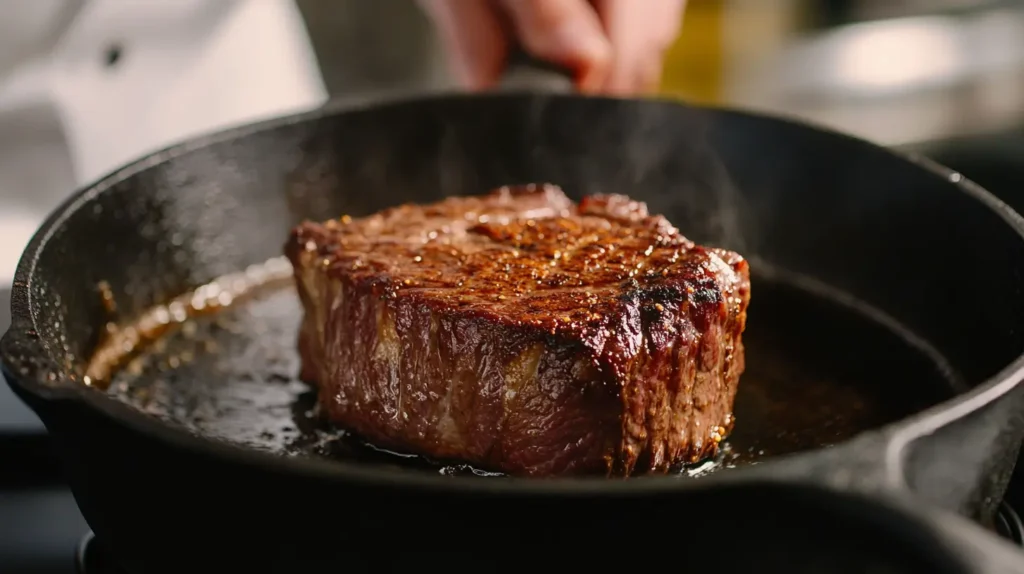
714	207
658	152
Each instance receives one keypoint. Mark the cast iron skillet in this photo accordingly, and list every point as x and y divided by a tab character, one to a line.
885	326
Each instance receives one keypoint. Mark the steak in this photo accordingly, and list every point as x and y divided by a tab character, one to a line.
522	333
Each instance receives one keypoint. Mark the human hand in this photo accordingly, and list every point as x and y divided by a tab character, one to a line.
609	46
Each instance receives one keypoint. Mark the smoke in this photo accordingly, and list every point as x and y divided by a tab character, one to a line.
673	163
717	206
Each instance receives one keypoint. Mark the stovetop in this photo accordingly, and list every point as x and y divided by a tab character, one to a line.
39	530
92	558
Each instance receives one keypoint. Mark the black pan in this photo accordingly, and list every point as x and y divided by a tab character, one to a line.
884	341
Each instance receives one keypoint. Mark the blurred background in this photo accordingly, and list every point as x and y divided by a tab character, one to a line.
87	85
941	78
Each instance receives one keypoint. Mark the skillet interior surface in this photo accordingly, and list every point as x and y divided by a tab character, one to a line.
870	225
233	376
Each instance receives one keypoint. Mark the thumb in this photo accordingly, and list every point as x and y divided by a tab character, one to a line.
567	33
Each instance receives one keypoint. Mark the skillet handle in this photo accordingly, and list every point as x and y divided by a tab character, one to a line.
961	458
957	459
526	73
861	464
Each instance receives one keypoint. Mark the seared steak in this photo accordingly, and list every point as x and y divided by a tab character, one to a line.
522	333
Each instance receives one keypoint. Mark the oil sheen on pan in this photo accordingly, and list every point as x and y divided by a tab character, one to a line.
222	361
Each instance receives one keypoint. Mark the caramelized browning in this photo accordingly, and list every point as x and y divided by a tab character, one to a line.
522	333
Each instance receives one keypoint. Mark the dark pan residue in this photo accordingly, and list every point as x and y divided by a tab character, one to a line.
820	369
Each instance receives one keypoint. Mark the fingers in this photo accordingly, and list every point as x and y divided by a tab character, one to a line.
474	36
639	33
611	46
565	32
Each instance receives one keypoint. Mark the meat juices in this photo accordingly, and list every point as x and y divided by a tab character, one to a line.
521	333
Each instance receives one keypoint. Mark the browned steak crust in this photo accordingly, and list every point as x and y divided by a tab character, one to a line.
522	333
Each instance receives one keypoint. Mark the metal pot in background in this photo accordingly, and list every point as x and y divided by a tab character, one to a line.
923	77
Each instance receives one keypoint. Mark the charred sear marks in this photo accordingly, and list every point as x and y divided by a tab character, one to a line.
523	333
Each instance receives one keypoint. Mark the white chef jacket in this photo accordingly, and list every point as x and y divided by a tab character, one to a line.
123	77
88	85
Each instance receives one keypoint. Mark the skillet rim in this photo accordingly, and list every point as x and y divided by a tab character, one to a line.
33	383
